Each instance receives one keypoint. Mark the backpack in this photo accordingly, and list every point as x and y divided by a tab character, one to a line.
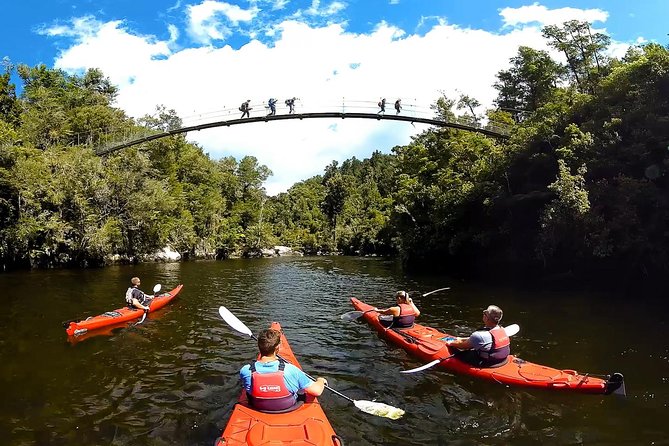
128	295
379	104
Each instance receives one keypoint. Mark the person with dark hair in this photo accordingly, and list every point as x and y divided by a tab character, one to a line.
245	109
403	314
398	106
272	384
136	298
488	346
382	105
291	105
272	106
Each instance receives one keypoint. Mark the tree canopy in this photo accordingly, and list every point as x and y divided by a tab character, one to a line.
579	188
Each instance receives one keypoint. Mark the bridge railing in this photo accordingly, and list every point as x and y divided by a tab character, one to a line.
106	139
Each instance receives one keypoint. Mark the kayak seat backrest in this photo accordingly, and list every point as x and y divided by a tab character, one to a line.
472	358
500	364
311	431
295	406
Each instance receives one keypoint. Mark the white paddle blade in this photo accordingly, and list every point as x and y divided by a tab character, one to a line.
423	367
233	322
351	315
142	319
436	291
157	288
379	409
512	329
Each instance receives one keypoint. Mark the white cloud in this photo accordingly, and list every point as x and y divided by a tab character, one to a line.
121	55
212	20
329	10
321	65
540	14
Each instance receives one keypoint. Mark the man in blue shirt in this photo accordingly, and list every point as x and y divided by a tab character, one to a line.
272	384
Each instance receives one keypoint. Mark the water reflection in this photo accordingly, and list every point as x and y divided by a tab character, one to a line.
173	379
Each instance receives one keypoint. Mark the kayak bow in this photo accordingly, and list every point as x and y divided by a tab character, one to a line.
306	425
120	315
429	344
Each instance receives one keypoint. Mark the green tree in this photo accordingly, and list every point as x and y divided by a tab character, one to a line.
528	83
583	50
336	192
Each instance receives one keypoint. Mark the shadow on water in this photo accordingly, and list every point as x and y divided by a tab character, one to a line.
173	379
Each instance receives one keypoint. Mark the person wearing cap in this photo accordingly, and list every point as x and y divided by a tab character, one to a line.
488	346
403	314
136	298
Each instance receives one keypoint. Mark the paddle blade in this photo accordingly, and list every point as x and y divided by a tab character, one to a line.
379	409
423	367
142	319
512	329
234	322
436	291
351	315
157	288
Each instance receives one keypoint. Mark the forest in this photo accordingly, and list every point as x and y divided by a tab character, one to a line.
578	191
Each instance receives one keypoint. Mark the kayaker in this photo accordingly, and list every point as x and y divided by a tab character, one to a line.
272	384
136	298
404	314
488	346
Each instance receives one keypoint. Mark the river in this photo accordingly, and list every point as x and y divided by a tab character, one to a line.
173	379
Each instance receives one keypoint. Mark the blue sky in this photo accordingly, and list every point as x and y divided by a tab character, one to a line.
203	57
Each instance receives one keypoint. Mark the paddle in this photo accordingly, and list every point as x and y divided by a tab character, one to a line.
156	289
371	407
356	314
510	331
435	291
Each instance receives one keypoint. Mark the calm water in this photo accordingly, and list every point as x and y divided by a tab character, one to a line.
173	379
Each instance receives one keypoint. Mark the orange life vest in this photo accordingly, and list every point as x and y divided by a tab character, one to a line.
500	348
406	318
269	391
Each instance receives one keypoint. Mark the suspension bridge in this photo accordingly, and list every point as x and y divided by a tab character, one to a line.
110	140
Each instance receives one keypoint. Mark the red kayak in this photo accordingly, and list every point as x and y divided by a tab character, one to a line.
116	317
429	344
306	425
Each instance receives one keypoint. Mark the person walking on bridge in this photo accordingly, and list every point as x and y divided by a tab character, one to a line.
244	108
291	105
272	106
398	106
382	106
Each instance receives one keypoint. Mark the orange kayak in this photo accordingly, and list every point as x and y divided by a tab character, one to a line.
119	316
305	426
428	344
